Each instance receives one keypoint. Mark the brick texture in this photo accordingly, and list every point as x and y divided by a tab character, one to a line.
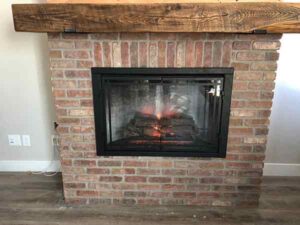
235	180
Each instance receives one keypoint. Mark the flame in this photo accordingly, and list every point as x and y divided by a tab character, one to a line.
147	109
156	134
158	115
156	127
167	111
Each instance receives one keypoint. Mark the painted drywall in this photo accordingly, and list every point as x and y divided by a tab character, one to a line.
25	96
283	148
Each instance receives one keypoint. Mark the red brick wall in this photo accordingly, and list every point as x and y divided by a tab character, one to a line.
148	180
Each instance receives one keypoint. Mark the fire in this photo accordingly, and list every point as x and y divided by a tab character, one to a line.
147	110
166	111
156	132
158	115
156	127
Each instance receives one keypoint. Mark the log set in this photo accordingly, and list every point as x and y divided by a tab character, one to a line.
179	129
175	127
266	17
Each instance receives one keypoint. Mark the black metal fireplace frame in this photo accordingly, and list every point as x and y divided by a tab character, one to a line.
99	107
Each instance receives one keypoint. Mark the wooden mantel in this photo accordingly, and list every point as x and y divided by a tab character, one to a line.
157	16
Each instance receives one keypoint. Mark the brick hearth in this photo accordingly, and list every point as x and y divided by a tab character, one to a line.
234	180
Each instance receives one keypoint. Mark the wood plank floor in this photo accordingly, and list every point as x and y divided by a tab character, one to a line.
27	199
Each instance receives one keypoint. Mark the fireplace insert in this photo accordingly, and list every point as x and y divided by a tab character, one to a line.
162	111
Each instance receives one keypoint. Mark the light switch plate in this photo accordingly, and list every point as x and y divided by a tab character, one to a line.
26	140
14	140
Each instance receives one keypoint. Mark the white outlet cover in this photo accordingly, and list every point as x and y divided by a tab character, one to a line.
54	139
26	140
14	140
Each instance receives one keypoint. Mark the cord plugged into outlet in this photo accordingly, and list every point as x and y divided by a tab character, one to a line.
54	139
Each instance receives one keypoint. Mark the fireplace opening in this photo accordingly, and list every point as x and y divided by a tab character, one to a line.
162	111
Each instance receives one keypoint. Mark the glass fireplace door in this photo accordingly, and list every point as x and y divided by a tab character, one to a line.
160	114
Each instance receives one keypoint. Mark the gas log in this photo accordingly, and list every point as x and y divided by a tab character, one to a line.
172	127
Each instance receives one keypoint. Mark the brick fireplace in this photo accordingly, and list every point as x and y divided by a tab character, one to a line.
129	180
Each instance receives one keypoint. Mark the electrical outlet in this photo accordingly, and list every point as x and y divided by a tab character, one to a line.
26	140
14	140
54	139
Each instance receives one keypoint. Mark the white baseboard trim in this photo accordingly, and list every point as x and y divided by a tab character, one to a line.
34	166
281	169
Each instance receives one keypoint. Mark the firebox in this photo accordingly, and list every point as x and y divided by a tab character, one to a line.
162	111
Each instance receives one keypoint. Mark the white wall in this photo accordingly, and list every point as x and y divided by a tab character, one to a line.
283	148
25	95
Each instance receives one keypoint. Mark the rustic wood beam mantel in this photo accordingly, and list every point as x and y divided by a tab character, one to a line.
243	17
154	1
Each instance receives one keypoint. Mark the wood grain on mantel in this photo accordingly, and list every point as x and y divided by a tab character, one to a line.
153	1
153	17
